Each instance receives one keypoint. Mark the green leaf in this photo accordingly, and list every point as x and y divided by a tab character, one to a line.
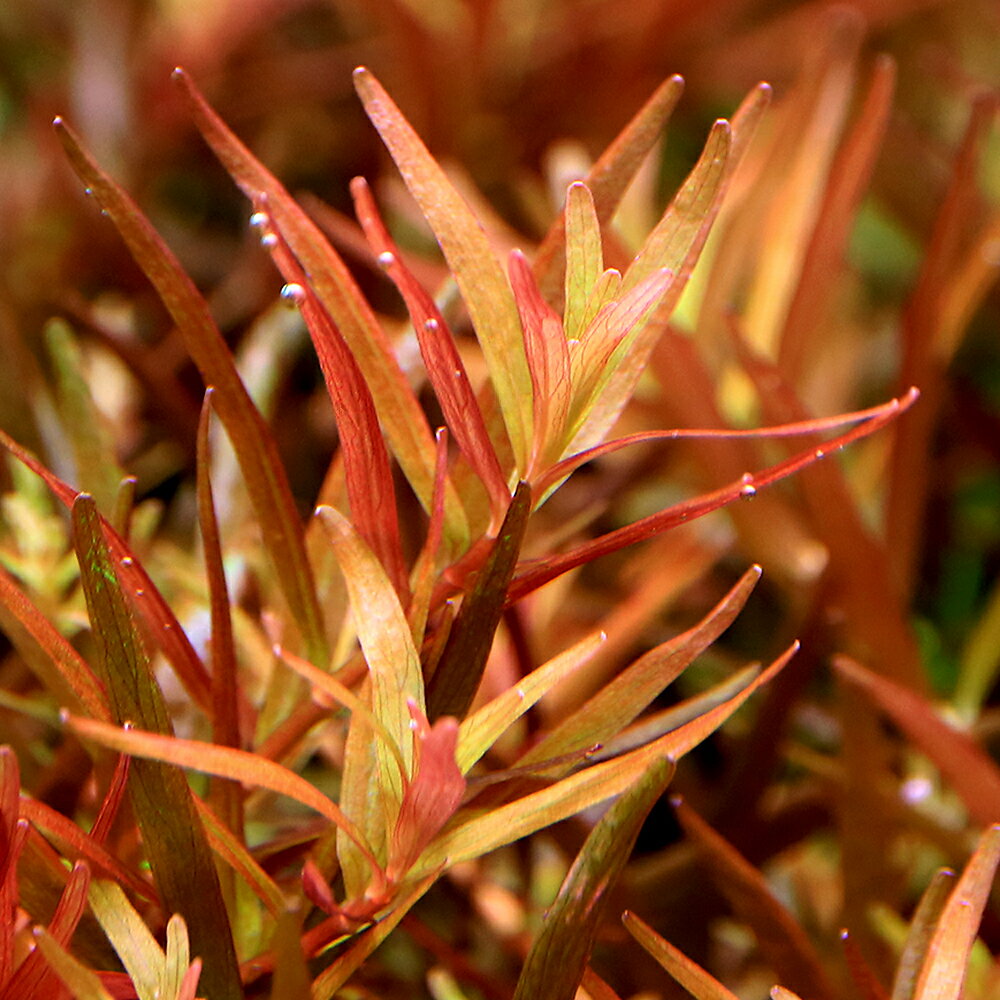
584	256
173	837
62	670
255	449
135	945
558	956
387	644
481	834
619	702
456	679
470	256
479	731
161	621
97	471
610	177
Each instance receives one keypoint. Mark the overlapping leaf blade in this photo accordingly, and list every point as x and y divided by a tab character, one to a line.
476	270
255	449
173	837
559	954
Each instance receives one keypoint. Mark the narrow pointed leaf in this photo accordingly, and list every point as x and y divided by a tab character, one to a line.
800	427
224	762
255	449
161	621
225	687
460	669
366	462
548	360
584	255
691	976
943	973
127	931
969	770
781	938
33	977
84	984
532	576
58	665
399	411
610	176
484	727
328	982
863	976
173	837
684	224
922	928
505	824
558	956
621	701
384	635
73	842
675	244
477	272
443	363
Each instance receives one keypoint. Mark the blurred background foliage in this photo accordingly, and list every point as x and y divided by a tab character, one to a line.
517	96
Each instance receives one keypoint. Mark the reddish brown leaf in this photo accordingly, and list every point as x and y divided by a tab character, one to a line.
533	574
366	461
781	938
968	769
443	363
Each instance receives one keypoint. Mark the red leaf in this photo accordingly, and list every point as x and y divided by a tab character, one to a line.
444	364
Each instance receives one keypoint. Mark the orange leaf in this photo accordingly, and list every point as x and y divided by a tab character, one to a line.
476	270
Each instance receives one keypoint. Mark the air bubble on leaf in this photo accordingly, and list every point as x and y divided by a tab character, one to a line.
269	240
386	258
748	490
127	560
431	324
293	293
258	220
139	592
819	453
915	790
